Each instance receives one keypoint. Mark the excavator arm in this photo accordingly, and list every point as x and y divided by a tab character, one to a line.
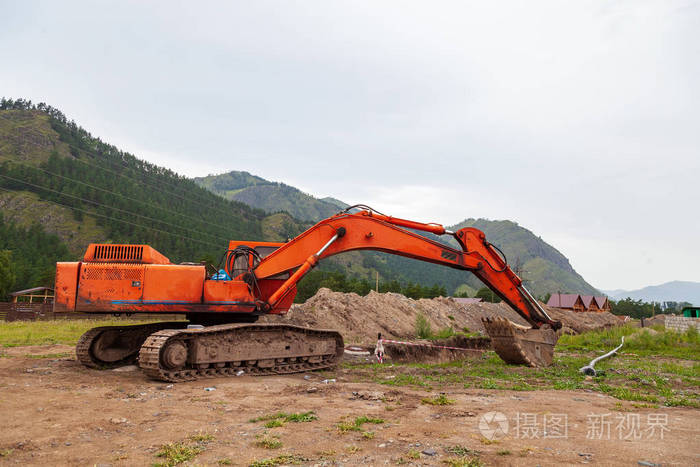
370	230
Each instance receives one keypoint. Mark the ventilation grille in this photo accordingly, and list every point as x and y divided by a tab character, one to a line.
113	274
123	253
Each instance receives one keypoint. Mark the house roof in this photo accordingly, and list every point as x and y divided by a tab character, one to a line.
563	300
601	300
28	291
587	299
466	301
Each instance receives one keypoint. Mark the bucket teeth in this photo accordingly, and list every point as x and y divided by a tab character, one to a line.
516	346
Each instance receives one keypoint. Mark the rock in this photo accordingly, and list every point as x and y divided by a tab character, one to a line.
118	421
383	445
123	369
67	443
210	389
647	464
314	389
429	452
307	377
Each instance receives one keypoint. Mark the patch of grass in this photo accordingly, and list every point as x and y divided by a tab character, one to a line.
283	459
438	400
280	418
461	451
201	437
463	462
177	453
664	342
626	394
6	452
224	461
356	425
21	333
503	452
487	441
413	454
268	441
353	449
50	355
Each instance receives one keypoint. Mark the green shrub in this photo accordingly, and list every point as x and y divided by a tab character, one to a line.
423	329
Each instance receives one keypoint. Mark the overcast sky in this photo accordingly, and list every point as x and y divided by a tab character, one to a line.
579	120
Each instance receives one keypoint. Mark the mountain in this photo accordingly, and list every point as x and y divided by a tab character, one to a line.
674	291
270	196
544	269
61	186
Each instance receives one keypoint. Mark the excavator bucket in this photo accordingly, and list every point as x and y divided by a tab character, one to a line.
518	345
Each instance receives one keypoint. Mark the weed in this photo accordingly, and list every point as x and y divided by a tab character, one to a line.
489	441
643	405
423	329
177	453
268	441
353	449
463	462
368	434
413	454
283	459
201	437
224	461
450	317
461	451
438	400
6	452
503	452
280	418
328	453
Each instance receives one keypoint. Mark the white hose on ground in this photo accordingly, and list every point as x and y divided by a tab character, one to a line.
589	370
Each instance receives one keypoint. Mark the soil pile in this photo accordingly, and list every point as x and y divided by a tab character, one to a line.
359	319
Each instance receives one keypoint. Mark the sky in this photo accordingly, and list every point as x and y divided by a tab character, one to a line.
579	120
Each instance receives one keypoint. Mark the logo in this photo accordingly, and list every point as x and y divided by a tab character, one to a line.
493	425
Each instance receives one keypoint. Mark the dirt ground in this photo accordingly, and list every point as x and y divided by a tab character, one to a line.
55	412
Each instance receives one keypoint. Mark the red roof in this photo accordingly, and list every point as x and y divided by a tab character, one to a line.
601	301
587	299
563	300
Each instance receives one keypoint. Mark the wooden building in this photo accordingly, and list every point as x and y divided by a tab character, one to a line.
566	301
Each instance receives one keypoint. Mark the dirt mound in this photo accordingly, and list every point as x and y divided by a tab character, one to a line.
359	319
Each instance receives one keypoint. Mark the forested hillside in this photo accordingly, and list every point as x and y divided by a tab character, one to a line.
60	182
270	196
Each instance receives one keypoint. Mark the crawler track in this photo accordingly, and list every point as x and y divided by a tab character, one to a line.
258	349
114	346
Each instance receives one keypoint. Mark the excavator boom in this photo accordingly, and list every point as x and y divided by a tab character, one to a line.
260	278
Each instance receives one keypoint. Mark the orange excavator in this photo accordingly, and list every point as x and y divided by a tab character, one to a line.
258	278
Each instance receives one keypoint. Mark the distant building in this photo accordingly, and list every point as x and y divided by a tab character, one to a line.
579	303
566	301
